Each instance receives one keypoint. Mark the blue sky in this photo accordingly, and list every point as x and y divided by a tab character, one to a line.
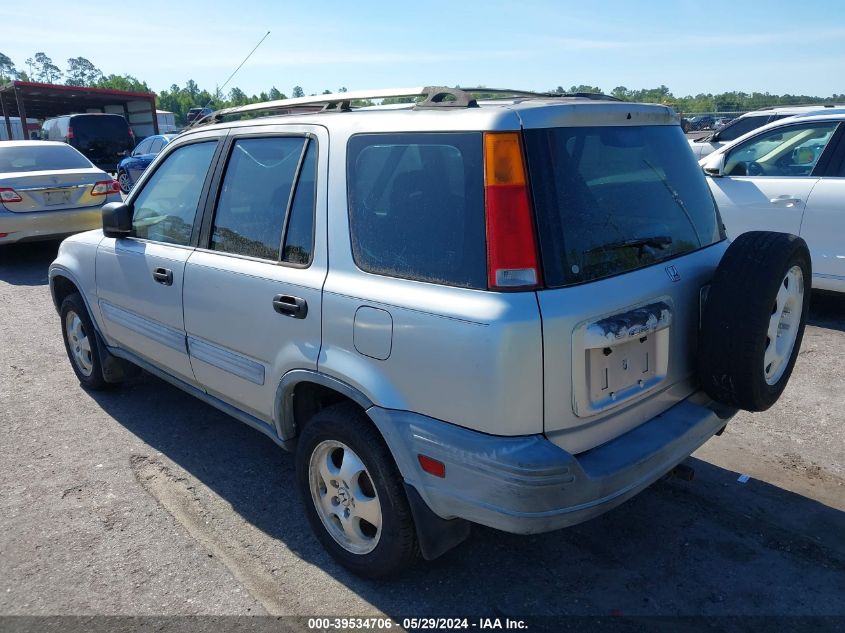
691	46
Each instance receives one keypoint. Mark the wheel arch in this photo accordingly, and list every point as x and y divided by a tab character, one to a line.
302	393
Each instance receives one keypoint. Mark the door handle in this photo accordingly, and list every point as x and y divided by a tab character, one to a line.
288	305
163	276
785	200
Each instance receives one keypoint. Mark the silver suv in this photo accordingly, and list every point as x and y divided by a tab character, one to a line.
517	312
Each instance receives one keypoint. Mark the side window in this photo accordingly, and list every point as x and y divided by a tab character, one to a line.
741	126
786	151
299	239
165	209
254	196
416	206
156	146
143	147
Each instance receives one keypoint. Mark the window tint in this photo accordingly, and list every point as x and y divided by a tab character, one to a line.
38	157
785	151
166	207
254	196
299	238
156	146
741	126
416	206
143	147
613	199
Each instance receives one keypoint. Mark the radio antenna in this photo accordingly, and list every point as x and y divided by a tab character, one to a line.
234	72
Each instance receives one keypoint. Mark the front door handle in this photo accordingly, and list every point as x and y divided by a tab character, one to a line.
163	276
288	305
786	200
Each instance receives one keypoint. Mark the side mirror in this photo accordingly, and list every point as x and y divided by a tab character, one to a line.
117	219
714	165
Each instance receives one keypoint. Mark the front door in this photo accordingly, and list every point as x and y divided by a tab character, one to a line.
139	278
253	287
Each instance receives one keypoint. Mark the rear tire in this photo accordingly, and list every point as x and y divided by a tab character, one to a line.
754	319
81	343
353	493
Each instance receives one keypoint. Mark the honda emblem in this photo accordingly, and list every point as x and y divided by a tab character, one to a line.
673	273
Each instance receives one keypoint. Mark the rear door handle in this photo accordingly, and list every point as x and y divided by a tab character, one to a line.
785	200
163	276
288	305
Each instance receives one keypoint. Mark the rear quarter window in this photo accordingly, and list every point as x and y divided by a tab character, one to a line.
416	206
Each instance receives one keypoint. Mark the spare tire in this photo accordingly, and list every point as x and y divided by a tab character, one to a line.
753	320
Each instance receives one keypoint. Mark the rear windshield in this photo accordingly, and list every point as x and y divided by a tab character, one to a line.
416	206
38	157
613	199
100	127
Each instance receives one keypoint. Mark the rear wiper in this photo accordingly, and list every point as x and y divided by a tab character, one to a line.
657	241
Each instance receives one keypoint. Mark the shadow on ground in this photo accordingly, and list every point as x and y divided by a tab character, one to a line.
26	264
711	546
827	310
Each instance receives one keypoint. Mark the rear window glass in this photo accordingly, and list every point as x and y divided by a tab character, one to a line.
613	199
100	127
741	126
416	206
38	157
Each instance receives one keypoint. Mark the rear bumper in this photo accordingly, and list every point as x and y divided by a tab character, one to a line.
526	484
44	225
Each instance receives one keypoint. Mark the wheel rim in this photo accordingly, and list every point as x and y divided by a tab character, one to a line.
783	325
79	343
123	180
345	498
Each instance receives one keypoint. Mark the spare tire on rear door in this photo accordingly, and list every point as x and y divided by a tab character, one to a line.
753	320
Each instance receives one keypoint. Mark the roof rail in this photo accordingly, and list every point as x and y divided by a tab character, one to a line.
433	97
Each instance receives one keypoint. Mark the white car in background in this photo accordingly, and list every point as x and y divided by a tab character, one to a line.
788	176
748	122
49	190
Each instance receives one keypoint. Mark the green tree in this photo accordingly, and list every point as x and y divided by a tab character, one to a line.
297	92
81	72
123	82
7	68
47	71
238	97
275	95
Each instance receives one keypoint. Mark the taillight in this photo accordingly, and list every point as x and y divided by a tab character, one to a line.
7	194
512	261
105	187
70	131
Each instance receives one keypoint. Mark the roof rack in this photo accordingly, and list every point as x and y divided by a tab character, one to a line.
432	97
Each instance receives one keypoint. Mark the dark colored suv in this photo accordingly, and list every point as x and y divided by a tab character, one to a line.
103	138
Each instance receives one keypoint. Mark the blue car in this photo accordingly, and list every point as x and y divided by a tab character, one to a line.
131	167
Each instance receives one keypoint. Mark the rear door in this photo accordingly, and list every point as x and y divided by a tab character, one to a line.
629	236
140	158
824	221
253	287
140	278
769	177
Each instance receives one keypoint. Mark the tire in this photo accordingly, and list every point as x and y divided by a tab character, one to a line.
753	322
123	181
328	445
78	334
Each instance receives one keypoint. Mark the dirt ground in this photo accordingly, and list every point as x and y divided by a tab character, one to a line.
144	501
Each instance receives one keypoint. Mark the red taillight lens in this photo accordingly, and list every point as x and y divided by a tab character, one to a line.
7	194
512	261
70	131
105	187
432	466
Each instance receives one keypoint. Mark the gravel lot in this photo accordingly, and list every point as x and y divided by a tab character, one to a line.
143	500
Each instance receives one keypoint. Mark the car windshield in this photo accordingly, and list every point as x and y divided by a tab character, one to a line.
41	157
612	199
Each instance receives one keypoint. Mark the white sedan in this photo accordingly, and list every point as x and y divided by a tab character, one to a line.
788	176
49	190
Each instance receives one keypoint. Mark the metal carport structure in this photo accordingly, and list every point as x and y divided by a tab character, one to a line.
43	101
